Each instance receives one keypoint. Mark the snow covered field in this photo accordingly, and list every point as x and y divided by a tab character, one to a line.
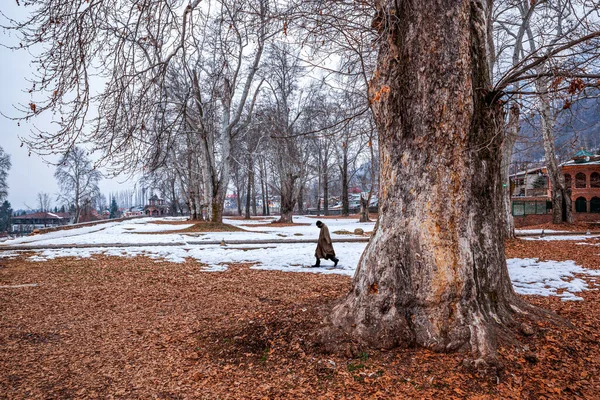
144	230
529	276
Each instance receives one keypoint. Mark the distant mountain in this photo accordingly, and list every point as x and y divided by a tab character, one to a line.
577	127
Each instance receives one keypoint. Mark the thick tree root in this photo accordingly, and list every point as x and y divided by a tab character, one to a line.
350	330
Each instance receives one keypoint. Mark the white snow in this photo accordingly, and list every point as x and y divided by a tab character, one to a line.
535	231
544	278
291	257
137	231
562	237
529	276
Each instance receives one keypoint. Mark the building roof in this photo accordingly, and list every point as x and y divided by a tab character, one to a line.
44	215
583	153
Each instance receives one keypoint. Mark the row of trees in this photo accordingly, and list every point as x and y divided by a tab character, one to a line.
5	207
202	92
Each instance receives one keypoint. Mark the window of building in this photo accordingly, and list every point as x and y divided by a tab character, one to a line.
568	182
581	205
595	205
595	180
580	180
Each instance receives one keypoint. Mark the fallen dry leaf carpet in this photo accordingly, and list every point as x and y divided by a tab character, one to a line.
113	327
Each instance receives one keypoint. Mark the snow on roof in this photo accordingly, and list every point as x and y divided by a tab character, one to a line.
573	162
530	171
43	215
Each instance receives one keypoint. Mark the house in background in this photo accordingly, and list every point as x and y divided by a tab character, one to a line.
531	190
25	224
156	207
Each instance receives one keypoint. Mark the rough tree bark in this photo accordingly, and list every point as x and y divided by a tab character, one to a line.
434	274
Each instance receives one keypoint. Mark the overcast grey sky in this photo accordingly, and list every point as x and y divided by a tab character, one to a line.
29	174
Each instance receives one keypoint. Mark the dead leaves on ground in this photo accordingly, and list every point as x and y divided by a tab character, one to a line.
136	328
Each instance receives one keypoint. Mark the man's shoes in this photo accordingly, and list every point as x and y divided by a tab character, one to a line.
335	261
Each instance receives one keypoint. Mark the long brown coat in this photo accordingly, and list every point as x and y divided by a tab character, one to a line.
324	246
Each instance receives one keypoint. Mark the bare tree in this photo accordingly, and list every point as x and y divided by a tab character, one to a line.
78	180
4	168
168	65
44	202
547	49
280	117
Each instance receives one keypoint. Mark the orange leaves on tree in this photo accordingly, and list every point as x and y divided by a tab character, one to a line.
33	107
377	97
576	86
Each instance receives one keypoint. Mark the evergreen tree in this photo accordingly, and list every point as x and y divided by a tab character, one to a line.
5	216
114	209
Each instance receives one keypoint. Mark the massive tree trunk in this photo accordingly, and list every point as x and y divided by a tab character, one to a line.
434	274
561	201
511	135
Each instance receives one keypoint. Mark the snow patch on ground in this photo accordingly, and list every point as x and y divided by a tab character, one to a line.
544	278
536	231
290	257
529	276
143	230
562	237
9	254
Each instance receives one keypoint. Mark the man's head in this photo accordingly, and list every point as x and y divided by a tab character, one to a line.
319	224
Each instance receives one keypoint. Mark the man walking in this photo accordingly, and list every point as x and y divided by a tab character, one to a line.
324	246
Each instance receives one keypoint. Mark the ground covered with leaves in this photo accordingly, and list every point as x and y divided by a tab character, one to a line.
113	327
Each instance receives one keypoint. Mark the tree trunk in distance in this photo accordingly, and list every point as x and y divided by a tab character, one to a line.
434	273
301	200
561	201
344	173
288	202
262	187
364	209
216	206
511	135
325	188
253	193
248	188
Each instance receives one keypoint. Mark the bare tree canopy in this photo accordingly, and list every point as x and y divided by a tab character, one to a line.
78	180
44	202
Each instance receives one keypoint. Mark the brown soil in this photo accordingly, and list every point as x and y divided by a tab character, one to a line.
200	227
135	328
176	222
575	227
275	224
